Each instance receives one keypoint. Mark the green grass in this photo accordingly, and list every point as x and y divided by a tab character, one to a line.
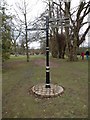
19	76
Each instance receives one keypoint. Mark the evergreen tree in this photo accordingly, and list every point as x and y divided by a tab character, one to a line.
6	34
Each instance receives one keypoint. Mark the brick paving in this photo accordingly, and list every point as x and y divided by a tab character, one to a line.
40	90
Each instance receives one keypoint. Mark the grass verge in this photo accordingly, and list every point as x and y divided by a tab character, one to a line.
19	76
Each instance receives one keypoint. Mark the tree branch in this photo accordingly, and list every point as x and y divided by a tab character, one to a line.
84	35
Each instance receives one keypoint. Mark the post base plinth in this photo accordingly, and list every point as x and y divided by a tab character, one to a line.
50	91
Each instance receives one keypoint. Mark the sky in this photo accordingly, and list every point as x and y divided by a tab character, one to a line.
36	7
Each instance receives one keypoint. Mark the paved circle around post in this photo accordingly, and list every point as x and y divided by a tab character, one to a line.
42	91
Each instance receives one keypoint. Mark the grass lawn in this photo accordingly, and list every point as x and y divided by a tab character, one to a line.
19	76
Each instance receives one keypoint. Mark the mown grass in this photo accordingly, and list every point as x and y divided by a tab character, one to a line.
19	76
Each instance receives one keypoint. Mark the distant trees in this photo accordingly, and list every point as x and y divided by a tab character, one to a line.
65	36
15	34
43	47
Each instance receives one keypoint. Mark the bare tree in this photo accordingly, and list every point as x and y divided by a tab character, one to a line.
77	24
73	39
23	22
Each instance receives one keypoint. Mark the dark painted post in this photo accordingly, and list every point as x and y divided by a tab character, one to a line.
47	54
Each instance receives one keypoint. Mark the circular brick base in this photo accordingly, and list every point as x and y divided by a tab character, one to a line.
42	91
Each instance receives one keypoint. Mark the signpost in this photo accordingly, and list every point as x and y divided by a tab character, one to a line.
48	89
50	20
47	55
47	45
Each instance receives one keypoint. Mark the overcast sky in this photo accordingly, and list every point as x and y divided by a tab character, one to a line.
35	6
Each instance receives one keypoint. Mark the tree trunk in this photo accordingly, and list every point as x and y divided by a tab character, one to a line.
71	48
26	38
75	49
54	49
